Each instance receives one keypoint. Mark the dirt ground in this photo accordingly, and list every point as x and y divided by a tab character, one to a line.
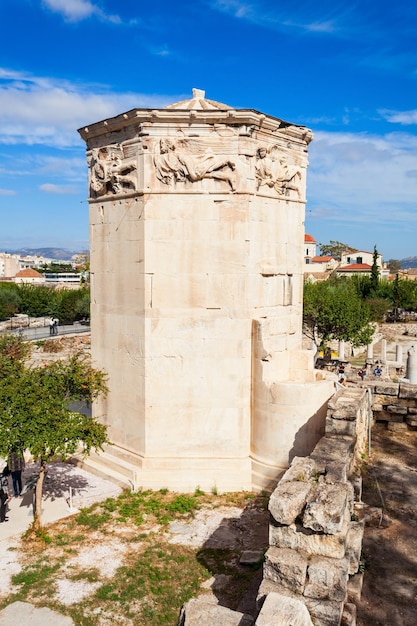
389	594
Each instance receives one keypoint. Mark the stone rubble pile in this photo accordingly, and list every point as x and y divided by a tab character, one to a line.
312	567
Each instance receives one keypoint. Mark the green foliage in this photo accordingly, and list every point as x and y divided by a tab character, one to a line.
379	308
336	311
394	266
9	302
335	249
35	403
374	273
68	305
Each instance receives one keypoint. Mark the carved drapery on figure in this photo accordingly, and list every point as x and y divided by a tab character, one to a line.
272	170
175	162
110	172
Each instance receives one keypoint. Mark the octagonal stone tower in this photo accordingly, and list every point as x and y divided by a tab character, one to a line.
197	230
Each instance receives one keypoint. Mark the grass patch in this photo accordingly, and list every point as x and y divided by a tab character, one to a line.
33	577
155	579
148	587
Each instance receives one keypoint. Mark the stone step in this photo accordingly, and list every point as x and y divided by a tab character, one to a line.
113	467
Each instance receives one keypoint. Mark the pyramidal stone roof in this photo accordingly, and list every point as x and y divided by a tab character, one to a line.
200	103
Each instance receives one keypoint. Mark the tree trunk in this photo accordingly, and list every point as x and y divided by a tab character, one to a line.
37	520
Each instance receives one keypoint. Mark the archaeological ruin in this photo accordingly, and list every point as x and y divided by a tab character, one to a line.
196	232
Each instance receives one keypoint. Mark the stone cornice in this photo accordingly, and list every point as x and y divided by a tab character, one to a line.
231	117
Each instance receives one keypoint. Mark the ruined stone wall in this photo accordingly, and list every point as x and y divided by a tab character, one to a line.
395	404
311	569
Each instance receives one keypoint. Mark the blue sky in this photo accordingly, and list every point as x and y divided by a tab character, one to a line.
347	70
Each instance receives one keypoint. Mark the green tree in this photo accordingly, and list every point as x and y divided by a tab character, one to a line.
9	303
394	266
374	272
335	249
336	312
36	408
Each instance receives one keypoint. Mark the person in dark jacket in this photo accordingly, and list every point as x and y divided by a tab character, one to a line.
4	493
16	466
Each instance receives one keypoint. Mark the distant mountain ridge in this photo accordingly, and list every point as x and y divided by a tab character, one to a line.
410	261
59	254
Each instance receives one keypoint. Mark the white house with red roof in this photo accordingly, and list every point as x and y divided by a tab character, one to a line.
316	267
360	262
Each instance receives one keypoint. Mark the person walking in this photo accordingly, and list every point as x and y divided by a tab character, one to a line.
16	466
4	493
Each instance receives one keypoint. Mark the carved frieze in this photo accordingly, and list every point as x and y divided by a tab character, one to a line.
110	173
178	161
273	171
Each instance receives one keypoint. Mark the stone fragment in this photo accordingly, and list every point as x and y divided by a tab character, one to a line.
407	391
282	610
272	586
333	448
340	427
324	613
326	578
288	500
286	567
326	512
305	540
199	612
396	408
349	615
354	587
301	469
336	472
386	389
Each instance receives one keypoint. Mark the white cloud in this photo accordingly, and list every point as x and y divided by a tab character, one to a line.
77	10
7	192
40	110
59	189
363	178
400	117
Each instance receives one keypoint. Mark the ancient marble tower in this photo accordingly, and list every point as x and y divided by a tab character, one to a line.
197	231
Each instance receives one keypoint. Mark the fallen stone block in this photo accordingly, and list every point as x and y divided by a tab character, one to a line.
282	610
301	468
349	615
324	613
354	541
326	512
288	501
333	448
386	389
407	391
287	567
272	586
336	472
340	427
305	540
327	578
397	409
354	587
199	612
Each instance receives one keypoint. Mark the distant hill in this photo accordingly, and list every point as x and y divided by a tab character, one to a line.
60	254
410	261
